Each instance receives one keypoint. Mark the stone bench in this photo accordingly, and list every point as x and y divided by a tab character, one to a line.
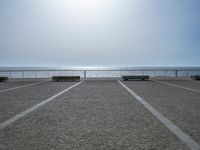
138	77
197	77
66	78
3	79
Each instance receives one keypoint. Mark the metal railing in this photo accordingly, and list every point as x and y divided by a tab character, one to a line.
105	73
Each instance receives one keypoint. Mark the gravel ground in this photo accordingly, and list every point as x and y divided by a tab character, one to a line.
180	106
194	84
15	83
16	101
95	115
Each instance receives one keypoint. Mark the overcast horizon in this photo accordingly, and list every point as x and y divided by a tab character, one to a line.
110	33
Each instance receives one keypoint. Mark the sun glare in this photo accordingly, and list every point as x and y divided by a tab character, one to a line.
85	4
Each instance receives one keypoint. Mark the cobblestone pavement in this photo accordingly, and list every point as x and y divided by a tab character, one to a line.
16	101
96	115
194	84
15	83
180	106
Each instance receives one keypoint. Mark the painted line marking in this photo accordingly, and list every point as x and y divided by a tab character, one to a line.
23	86
27	111
178	86
178	132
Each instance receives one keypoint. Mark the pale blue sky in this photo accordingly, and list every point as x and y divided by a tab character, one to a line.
100	33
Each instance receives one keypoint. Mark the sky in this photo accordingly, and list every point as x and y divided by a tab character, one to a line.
124	33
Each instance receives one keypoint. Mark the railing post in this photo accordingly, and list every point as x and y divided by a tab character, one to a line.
23	74
154	73
35	74
176	73
10	74
84	74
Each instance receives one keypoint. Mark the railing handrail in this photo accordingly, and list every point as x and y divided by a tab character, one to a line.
21	70
175	72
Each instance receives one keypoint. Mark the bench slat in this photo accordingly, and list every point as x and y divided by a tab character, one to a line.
3	79
135	77
196	77
66	78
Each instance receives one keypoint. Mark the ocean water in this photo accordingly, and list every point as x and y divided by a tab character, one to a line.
95	72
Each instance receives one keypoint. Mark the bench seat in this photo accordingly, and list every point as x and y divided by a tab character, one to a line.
138	77
196	77
3	79
66	78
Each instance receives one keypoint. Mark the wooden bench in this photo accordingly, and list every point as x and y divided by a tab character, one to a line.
126	78
66	78
196	77
3	79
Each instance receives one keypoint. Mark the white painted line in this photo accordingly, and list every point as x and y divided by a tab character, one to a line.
178	86
178	132
26	112
23	86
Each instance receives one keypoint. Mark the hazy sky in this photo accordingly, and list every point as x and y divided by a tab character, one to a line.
99	32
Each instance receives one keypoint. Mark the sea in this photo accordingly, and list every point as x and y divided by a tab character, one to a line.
97	72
